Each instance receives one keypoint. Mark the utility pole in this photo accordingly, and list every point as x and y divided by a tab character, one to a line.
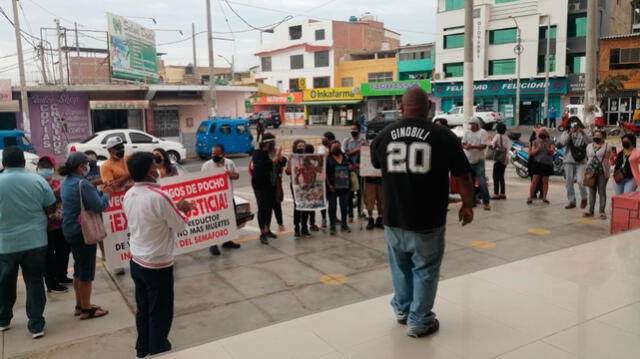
233	69
518	51
75	24
193	44
212	76
593	34
468	60
42	63
546	67
58	35
24	104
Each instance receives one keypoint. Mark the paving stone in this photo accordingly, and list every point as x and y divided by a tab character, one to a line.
345	259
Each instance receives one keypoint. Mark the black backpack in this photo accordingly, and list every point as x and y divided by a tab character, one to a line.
579	153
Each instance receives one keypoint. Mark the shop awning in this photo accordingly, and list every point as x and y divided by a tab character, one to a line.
119	105
178	102
325	103
10	106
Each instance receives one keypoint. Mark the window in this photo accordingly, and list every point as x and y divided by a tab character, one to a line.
321	58
319	35
576	63
347	82
501	1
10	141
266	63
295	32
453	41
502	67
577	25
107	137
293	85
86	140
453	4
624	59
503	36
408	56
225	129
380	76
321	82
140	138
297	62
542	33
241	129
213	128
454	69
541	64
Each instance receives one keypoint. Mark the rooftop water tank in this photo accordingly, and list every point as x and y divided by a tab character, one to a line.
353	18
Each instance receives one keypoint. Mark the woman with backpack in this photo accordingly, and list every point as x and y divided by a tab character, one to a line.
599	159
501	145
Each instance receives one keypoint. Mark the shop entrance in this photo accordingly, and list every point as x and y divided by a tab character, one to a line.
620	109
8	121
103	120
530	112
167	121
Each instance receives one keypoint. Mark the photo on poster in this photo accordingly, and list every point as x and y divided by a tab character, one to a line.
308	180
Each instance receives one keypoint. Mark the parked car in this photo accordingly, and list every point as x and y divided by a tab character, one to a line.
271	118
573	112
30	158
234	135
488	116
382	120
16	138
253	118
134	141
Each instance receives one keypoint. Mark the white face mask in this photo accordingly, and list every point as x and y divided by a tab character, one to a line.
86	171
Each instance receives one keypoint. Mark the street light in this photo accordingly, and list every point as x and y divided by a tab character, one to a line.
232	64
518	49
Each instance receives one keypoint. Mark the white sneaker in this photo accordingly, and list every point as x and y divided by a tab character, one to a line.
37	335
4	329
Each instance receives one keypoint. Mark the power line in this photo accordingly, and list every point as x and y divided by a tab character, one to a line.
288	17
22	32
54	14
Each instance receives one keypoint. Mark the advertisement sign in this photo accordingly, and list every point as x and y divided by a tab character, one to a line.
390	88
331	94
212	220
282	99
366	167
119	105
5	90
132	50
308	180
502	88
57	119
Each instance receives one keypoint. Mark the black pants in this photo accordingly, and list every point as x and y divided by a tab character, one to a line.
498	178
334	197
154	299
300	220
277	211
57	257
266	200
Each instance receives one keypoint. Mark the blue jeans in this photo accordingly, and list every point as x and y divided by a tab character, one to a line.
575	172
33	263
477	171
415	258
627	186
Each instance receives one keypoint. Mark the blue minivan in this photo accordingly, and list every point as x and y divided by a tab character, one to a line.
16	138
233	134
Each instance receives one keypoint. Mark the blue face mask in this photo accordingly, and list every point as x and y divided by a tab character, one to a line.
86	171
46	173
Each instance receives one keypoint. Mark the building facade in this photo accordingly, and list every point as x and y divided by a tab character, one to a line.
415	62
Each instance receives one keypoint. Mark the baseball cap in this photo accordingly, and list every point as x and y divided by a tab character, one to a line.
473	120
268	137
47	158
114	141
75	159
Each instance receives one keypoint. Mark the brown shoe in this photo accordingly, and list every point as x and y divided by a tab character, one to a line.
588	214
570	206
583	204
495	197
603	216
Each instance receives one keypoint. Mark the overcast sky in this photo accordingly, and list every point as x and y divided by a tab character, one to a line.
414	19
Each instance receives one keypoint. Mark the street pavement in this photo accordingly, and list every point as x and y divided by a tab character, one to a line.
256	285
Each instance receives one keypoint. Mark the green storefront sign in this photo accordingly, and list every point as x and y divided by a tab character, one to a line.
391	88
132	50
558	86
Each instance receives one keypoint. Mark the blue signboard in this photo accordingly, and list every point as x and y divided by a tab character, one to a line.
502	88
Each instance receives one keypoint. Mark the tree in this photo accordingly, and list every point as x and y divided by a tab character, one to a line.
612	84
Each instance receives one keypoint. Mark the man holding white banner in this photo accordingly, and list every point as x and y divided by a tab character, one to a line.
154	221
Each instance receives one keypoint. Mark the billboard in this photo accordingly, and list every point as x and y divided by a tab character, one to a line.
132	50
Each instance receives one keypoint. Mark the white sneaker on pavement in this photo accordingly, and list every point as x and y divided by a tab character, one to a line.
37	335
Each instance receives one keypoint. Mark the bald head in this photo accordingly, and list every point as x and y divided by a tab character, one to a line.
415	103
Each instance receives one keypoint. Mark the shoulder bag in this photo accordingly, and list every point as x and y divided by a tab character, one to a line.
92	227
500	153
619	173
594	167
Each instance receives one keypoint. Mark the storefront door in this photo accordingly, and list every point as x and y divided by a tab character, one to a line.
619	109
529	112
8	121
167	122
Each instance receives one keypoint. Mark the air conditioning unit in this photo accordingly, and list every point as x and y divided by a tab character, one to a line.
438	76
574	6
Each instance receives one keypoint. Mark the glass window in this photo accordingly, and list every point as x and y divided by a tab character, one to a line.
297	62
213	128
380	76
293	85
624	59
541	63
454	4
241	129
576	63
501	1
502	67
319	35
119	134
10	141
321	58
86	140
542	33
454	69
225	129
453	41
347	82
202	129
321	82
140	138
295	32
577	25
503	36
266	63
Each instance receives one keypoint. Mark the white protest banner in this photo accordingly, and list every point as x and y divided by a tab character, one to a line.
212	220
308	179
366	167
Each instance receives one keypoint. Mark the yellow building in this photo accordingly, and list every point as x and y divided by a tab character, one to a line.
357	69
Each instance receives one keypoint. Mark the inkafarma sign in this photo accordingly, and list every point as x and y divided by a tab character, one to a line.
132	50
331	94
391	88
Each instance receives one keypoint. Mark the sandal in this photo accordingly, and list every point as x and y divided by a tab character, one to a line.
588	214
95	312
529	201
79	310
546	201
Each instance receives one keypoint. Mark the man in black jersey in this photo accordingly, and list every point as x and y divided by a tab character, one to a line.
416	157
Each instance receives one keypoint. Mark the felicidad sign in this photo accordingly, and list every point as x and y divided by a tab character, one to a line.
212	220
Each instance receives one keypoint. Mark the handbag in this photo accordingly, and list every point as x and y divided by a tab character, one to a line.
619	173
91	223
593	168
500	153
355	184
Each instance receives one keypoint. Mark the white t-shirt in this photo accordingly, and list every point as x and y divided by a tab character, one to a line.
228	165
477	138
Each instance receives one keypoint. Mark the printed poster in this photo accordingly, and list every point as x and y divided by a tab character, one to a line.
308	178
212	220
366	167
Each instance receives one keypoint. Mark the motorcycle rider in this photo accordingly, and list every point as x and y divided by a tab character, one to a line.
575	162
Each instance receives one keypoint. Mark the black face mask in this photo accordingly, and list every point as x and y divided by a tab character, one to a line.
354	133
158	160
120	154
542	137
336	152
297	150
325	143
597	140
216	158
626	145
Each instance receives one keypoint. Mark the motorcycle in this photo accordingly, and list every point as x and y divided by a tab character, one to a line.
519	157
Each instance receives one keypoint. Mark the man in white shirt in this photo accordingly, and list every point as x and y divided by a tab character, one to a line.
218	160
474	142
154	221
